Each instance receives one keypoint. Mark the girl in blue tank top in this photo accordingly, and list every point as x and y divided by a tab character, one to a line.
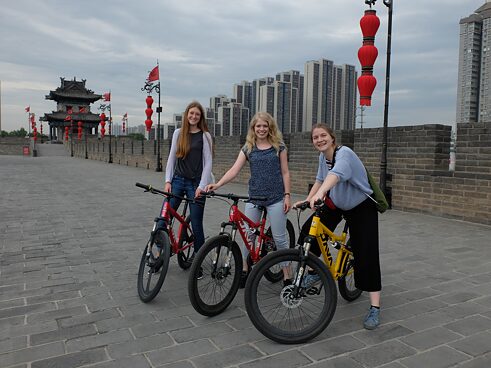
266	153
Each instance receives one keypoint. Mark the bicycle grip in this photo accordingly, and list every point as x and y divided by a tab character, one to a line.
144	186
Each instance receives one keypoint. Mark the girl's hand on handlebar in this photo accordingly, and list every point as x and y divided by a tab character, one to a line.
168	187
299	204
315	198
211	187
198	192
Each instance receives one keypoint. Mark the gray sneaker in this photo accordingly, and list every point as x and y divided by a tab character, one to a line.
309	280
372	320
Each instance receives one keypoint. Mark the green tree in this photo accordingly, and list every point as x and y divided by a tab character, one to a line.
136	136
18	133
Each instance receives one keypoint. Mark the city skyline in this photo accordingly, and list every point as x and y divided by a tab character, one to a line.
114	47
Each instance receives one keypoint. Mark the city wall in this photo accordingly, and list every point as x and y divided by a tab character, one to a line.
417	164
12	145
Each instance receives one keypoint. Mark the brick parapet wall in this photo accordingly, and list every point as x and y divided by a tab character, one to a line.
12	145
417	160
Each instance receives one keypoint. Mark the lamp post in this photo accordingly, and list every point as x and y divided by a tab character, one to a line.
369	54
383	162
104	107
149	87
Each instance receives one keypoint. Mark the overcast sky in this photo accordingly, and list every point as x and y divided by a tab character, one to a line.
205	46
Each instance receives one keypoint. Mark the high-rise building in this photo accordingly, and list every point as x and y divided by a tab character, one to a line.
318	93
329	95
474	76
243	94
344	98
255	95
234	118
289	99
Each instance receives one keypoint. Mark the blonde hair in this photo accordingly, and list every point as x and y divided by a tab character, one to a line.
184	140
274	135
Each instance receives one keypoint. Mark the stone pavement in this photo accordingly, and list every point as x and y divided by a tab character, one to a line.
71	236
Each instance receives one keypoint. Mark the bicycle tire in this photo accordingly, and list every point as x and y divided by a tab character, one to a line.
277	275
346	283
214	292
183	257
149	266
275	310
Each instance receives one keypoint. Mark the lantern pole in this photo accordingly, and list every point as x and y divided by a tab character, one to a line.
149	87
85	138
110	161
71	136
383	162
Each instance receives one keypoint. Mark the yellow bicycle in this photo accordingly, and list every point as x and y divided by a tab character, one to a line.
292	314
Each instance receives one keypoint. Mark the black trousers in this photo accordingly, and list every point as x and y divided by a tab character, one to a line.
363	231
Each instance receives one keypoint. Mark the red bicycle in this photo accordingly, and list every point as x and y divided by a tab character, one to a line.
215	274
171	234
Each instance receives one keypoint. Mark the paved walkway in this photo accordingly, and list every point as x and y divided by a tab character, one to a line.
71	236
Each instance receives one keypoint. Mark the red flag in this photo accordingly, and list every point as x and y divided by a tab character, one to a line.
107	96
125	116
28	108
154	74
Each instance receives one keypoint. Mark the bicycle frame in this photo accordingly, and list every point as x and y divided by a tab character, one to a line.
320	233
238	221
168	215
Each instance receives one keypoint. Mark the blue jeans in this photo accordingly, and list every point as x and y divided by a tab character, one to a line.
186	188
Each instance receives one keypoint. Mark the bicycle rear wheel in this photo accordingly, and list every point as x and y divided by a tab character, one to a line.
187	238
215	275
275	274
152	271
346	283
290	314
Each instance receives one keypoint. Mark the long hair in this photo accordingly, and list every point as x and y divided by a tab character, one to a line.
274	134
326	128
183	143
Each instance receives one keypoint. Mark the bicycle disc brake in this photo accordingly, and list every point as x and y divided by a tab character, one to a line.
288	299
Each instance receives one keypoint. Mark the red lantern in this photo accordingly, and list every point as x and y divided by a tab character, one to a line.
369	24
124	127
366	85
66	133
148	112
103	123
148	123
149	101
367	54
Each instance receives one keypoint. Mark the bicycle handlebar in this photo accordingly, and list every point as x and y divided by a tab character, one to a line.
234	197
304	205
149	188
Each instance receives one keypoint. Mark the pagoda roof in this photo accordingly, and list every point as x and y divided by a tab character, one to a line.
59	117
73	90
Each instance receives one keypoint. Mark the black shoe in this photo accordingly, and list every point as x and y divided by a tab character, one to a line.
243	279
287	282
199	274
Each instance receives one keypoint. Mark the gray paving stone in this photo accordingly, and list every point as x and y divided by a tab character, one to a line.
13	343
195	333
89	318
480	362
72	360
88	342
332	347
288	359
440	357
24	330
228	357
470	325
383	333
153	328
63	334
383	353
340	362
431	338
136	361
138	346
475	345
228	340
32	354
181	352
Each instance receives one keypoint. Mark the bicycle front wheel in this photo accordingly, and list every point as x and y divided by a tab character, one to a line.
290	314
153	269
215	275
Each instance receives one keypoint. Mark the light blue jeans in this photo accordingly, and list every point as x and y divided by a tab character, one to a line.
277	220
